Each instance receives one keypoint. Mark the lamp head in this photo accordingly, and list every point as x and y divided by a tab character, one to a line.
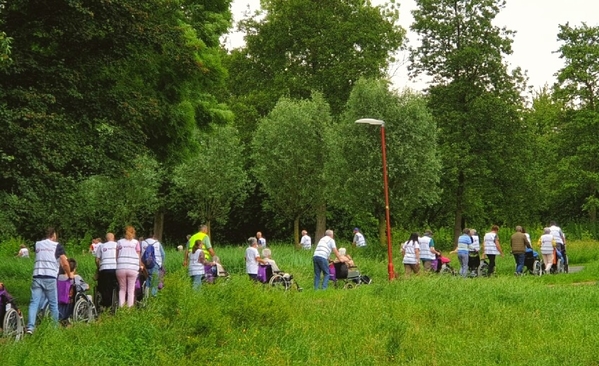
371	121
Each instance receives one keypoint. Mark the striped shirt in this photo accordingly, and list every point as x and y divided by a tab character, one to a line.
127	254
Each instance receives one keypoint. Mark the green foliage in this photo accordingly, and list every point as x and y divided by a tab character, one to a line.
213	178
476	103
289	152
106	82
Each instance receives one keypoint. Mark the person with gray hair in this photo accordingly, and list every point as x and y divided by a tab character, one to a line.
547	245
320	259
519	243
345	258
252	259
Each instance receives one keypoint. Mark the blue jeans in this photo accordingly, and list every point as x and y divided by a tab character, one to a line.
153	278
321	265
196	281
519	258
463	258
42	290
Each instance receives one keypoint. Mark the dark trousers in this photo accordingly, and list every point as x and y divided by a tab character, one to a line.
107	282
491	263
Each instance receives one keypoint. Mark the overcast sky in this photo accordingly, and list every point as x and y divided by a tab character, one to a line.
535	21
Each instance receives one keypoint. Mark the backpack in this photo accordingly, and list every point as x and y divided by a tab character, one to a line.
149	257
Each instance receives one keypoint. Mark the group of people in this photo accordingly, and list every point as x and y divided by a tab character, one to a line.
421	250
118	266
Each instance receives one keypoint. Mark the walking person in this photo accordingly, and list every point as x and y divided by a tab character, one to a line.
359	240
463	251
547	246
411	255
252	259
519	243
197	263
306	241
474	253
49	255
491	247
154	272
106	264
320	259
560	242
128	264
427	250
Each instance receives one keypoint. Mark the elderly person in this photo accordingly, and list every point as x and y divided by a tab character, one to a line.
306	241
547	245
463	250
345	258
267	254
320	259
252	259
519	243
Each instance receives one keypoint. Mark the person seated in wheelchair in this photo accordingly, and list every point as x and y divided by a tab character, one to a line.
345	258
67	289
5	300
267	257
530	256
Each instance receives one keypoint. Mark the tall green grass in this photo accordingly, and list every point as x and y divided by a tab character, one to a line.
422	320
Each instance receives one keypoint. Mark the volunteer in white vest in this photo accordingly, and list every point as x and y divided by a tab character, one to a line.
306	241
49	255
560	241
128	263
106	264
154	272
359	240
427	250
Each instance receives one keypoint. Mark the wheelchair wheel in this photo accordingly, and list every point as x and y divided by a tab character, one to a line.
13	325
84	310
447	270
350	285
483	269
279	282
537	268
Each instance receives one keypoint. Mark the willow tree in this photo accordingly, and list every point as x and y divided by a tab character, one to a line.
476	102
289	152
412	159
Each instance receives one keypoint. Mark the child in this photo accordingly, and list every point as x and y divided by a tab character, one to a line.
65	296
23	251
5	299
197	263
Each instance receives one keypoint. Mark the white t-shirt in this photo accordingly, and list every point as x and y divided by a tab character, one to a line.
324	247
251	263
306	242
557	234
409	248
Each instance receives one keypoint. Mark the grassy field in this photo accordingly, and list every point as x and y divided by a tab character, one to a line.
423	320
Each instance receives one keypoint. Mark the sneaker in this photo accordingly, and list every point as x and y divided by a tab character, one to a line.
29	331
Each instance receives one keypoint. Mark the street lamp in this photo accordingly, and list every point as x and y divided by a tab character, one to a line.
378	122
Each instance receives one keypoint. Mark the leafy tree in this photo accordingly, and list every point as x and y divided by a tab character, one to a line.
578	88
93	85
213	178
289	153
413	163
294	47
477	105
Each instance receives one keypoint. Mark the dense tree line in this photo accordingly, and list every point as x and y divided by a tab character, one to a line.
131	112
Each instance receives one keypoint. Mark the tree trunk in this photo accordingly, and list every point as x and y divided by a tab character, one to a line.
321	221
158	225
382	230
296	239
457	227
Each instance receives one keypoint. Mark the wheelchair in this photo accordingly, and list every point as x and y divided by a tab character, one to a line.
277	279
74	303
13	325
351	277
